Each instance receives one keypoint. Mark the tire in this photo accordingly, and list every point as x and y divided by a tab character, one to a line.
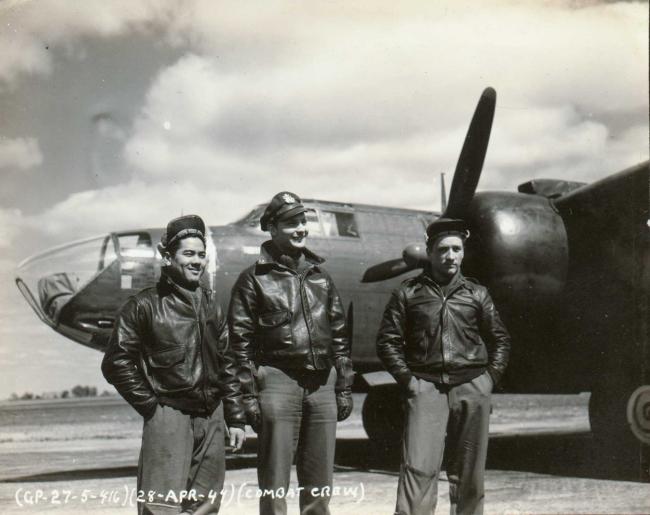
616	447
383	416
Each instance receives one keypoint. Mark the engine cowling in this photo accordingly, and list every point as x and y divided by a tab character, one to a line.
517	247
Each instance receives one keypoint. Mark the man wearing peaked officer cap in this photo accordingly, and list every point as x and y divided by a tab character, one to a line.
443	341
283	206
288	330
180	375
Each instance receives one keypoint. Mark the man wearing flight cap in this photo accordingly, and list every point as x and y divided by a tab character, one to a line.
443	341
169	358
287	328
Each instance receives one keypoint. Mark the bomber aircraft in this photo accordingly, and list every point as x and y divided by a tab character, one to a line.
567	264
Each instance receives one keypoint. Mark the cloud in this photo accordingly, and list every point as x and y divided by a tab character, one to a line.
11	223
19	153
557	143
364	102
395	173
381	77
108	209
32	32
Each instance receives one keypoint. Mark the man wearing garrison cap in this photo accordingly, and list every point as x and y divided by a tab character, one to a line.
169	358
443	341
287	328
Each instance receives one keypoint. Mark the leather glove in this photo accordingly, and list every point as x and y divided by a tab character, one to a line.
344	373
344	404
253	413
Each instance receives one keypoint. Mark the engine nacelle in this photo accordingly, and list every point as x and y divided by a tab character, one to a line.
517	247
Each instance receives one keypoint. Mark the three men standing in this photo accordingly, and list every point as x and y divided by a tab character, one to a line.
169	358
443	341
288	331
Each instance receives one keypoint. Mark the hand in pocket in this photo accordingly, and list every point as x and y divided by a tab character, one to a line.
413	388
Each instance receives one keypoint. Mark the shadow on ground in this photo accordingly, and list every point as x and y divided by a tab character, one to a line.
568	455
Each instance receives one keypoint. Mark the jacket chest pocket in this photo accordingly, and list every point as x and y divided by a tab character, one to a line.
274	329
423	319
168	369
422	315
317	289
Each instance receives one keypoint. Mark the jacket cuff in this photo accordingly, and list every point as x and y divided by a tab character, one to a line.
403	378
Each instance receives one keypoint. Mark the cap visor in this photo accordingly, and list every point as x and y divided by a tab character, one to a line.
291	212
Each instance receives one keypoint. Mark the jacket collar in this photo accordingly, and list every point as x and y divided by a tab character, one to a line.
460	281
167	284
269	255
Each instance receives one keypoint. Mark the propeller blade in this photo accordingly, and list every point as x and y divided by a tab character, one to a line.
386	270
463	186
413	256
470	161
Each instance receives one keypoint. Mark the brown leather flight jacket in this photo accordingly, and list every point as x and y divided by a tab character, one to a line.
447	339
163	351
293	320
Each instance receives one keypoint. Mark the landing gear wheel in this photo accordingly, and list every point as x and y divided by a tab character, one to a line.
383	416
638	413
616	443
608	414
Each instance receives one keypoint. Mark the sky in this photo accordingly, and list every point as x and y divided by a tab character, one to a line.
121	114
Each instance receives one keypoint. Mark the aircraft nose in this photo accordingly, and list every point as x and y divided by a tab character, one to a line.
53	284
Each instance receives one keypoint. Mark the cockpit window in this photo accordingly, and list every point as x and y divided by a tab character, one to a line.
313	224
57	274
135	245
337	223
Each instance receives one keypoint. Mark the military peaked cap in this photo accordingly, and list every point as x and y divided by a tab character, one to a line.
283	205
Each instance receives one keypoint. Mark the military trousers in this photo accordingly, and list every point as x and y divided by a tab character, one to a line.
181	453
451	421
298	422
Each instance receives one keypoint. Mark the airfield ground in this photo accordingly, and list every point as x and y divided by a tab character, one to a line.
80	457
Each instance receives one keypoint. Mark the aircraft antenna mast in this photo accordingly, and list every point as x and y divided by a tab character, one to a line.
443	193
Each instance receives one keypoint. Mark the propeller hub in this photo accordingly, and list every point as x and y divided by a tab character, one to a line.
415	255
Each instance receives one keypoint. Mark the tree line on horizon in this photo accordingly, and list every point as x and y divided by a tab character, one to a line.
77	391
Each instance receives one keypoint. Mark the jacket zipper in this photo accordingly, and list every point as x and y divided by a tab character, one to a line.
200	326
303	301
442	330
203	362
443	310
